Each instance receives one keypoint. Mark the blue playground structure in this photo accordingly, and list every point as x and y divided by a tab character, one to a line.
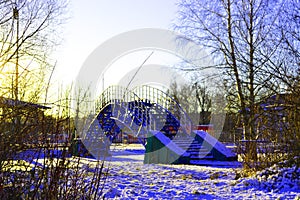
160	123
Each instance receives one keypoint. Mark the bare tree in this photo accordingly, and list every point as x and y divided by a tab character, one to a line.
204	100
29	30
290	29
195	99
28	33
245	38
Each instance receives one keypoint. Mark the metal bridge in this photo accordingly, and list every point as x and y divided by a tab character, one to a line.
158	120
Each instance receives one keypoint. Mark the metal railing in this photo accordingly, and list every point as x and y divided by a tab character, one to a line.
161	99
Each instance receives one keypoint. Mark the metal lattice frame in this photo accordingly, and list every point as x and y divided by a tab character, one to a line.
139	110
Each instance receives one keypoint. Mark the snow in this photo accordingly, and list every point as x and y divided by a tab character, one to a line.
129	178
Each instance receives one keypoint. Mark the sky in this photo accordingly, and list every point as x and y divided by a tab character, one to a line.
93	22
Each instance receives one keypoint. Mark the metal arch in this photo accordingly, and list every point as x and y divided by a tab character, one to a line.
97	141
119	108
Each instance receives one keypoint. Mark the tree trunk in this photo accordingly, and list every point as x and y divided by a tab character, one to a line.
250	141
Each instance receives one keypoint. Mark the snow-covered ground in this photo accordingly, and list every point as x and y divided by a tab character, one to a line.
129	178
126	177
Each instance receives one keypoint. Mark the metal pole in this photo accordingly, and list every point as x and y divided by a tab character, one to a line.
16	89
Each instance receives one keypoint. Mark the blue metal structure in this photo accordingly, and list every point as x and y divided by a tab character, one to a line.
157	119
